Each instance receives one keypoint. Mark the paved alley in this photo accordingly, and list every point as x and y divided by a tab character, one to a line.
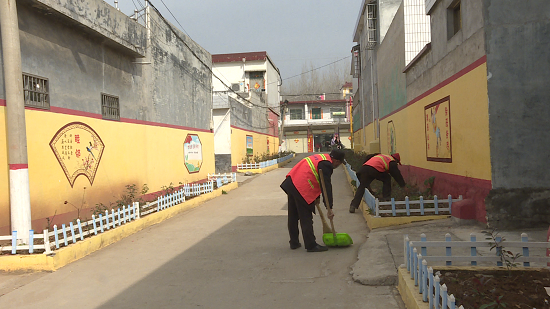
230	252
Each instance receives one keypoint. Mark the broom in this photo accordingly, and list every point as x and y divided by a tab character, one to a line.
326	228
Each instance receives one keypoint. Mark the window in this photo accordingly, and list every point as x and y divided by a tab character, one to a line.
296	114
454	19
35	91
109	107
316	113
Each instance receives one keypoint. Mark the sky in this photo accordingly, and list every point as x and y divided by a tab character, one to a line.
292	32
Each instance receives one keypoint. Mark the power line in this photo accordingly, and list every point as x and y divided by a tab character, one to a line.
199	59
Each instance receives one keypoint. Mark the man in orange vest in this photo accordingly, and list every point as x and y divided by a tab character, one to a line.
303	188
379	167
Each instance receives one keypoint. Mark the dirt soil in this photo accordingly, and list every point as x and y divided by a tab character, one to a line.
498	288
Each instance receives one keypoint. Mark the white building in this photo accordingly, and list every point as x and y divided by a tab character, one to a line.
246	90
309	126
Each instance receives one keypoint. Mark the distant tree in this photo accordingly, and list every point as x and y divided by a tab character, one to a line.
326	80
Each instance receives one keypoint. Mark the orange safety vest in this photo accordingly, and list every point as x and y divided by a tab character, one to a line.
305	176
380	162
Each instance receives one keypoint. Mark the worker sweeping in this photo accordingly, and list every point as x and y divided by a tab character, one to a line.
302	186
379	167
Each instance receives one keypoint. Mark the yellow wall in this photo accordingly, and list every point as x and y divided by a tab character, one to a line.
259	145
134	154
359	137
469	128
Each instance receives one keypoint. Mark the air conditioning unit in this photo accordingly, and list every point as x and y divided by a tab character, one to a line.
237	87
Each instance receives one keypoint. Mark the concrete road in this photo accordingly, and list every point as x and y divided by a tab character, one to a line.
230	252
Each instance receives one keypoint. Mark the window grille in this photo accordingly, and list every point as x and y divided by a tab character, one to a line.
110	108
372	37
35	91
296	114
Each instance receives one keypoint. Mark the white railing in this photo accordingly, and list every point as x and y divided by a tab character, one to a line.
416	259
263	164
77	230
223	179
407	206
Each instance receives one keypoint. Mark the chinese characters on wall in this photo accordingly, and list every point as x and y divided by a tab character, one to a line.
78	149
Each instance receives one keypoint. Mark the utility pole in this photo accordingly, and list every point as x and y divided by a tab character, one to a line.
281	132
20	201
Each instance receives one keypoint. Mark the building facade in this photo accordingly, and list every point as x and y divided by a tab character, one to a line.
309	126
246	91
110	102
463	110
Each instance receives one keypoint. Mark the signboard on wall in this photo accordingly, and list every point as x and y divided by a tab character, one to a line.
78	149
437	118
192	153
249	145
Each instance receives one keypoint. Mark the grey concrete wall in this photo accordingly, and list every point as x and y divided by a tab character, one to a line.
181	92
447	57
518	59
518	62
79	66
390	65
386	12
96	16
223	163
254	118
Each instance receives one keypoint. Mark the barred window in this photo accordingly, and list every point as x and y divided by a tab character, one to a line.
296	114
35	91
109	107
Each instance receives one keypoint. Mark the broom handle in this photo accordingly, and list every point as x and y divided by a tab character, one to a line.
326	201
325	225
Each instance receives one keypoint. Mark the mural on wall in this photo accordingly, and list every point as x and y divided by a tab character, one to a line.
438	131
78	149
268	145
249	145
391	138
192	153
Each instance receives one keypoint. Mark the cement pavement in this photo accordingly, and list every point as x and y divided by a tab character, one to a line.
230	252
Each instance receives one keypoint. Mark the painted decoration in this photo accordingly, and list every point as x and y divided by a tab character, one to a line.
309	142
296	140
391	138
192	153
249	145
78	149
438	131
268	145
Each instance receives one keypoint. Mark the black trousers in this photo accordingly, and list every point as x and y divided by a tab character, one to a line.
300	211
366	175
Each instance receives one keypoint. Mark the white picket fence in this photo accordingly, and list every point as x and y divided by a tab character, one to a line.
416	260
401	207
264	164
77	231
222	179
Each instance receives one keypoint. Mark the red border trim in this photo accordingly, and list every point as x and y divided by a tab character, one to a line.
14	167
66	111
254	131
444	83
2	102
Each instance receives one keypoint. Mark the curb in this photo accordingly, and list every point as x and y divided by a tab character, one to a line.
409	292
73	252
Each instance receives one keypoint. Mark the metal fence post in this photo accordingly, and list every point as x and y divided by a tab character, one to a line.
525	239
448	251
473	251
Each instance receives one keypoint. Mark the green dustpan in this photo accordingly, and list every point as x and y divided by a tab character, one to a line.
341	240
